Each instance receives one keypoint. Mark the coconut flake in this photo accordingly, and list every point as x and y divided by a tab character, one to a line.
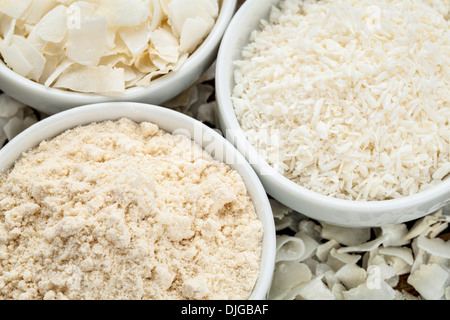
401	258
16	125
166	46
14	118
368	246
324	249
53	26
9	106
435	246
337	260
87	44
279	210
363	292
429	281
395	235
314	289
58	71
32	55
310	245
12	55
14	8
288	274
124	13
105	80
37	10
424	226
136	38
15	59
351	276
344	235
194	31
310	228
289	248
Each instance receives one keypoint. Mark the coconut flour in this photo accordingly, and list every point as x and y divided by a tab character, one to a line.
120	210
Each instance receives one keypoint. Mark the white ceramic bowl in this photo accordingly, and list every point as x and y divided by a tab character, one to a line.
169	121
51	100
324	208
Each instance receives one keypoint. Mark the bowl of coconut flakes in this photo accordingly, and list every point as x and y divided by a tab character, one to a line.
342	107
56	56
131	201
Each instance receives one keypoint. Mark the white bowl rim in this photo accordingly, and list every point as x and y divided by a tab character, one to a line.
71	118
235	134
134	93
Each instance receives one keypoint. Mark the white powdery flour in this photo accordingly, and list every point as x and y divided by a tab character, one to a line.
120	210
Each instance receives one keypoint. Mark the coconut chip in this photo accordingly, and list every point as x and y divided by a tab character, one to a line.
436	246
351	276
14	8
87	44
14	118
53	26
198	101
289	248
314	289
136	38
344	235
430	281
400	258
35	59
124	13
288	274
37	10
365	292
426	225
105	80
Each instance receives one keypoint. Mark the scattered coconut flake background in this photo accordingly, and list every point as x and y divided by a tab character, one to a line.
409	261
317	261
14	118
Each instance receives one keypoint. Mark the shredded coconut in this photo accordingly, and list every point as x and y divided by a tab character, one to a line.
358	93
120	210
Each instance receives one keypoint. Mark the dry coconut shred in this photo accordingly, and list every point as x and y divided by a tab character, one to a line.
120	210
356	94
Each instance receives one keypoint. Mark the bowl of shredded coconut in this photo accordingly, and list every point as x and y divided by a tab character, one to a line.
58	55
131	201
342	107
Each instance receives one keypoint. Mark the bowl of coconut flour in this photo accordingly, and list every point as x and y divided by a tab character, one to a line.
131	201
342	107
